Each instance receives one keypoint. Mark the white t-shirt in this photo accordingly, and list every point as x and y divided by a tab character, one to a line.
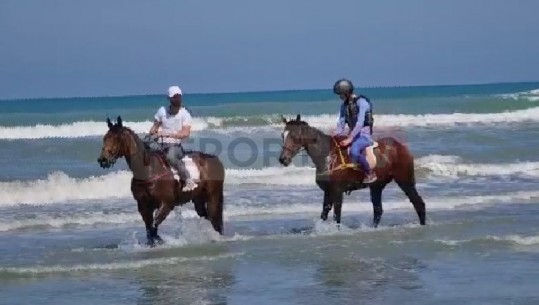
173	123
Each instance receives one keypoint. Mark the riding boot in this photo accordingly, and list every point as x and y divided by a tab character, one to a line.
370	175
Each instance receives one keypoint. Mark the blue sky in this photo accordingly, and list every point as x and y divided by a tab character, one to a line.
93	48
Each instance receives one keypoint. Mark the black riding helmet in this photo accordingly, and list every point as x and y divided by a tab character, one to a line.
343	86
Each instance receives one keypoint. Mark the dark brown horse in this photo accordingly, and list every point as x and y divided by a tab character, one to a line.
335	174
153	185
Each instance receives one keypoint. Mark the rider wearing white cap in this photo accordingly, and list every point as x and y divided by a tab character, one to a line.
175	123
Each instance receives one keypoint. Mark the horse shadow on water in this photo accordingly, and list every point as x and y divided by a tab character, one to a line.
335	174
153	185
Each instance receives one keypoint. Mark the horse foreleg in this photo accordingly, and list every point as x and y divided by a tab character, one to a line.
326	206
145	210
160	216
376	199
337	205
419	205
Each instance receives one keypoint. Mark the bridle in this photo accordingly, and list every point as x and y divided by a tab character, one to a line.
291	151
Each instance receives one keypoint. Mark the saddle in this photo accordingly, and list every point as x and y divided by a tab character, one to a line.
190	165
155	150
344	160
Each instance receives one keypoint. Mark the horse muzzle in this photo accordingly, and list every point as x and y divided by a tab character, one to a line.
105	163
284	161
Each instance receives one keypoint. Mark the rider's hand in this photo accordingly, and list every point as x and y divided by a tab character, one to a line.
164	134
345	142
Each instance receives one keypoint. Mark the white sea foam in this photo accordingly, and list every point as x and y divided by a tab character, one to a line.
59	187
532	95
120	265
518	239
453	166
252	208
76	129
514	239
227	125
423	120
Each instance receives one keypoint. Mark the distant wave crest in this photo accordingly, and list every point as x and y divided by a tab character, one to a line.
271	122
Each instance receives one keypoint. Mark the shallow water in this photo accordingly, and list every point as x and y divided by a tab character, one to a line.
70	232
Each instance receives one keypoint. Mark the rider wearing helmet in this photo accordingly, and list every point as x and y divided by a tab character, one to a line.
356	112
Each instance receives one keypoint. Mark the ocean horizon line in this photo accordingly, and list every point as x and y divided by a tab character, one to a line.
272	91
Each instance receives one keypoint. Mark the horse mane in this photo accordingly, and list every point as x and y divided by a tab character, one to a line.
311	131
318	132
122	131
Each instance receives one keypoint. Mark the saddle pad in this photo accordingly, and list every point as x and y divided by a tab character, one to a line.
371	157
192	168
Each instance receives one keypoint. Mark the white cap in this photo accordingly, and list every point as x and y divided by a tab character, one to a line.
174	90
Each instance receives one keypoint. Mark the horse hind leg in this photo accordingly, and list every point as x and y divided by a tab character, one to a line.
376	199
215	208
419	205
405	178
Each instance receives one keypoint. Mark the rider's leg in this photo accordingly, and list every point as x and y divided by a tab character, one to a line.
357	153
174	161
175	155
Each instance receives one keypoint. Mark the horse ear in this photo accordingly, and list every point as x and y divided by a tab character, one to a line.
119	121
298	118
109	123
284	119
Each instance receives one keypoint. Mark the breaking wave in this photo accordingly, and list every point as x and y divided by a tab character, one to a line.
272	122
59	187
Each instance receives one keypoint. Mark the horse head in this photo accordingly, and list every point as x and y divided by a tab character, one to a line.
114	145
296	135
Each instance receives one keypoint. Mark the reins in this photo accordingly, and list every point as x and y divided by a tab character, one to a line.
146	150
343	164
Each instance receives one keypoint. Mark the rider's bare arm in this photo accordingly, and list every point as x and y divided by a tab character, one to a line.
155	127
182	134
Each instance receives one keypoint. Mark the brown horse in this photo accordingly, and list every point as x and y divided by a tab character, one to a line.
153	185
335	174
